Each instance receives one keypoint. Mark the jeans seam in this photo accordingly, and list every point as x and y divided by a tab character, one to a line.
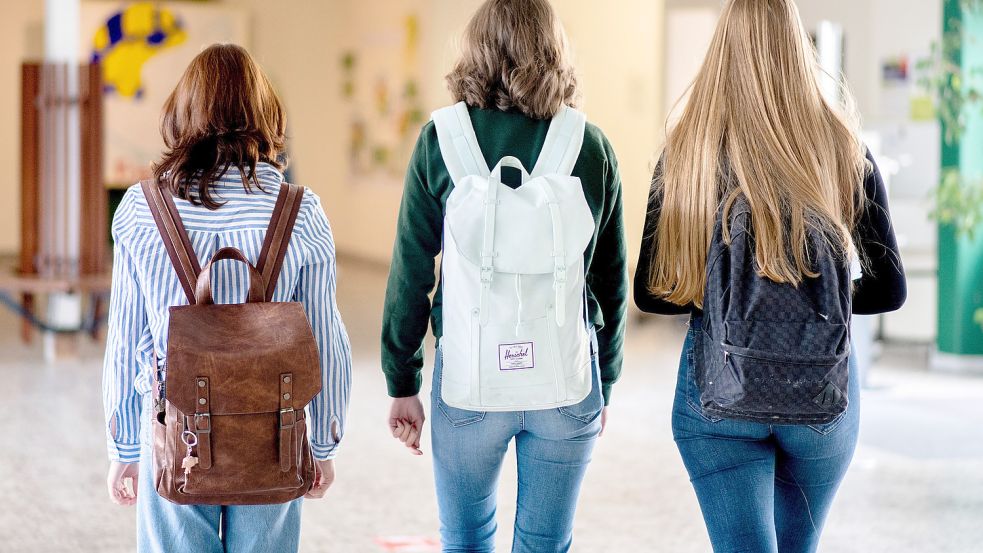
829	427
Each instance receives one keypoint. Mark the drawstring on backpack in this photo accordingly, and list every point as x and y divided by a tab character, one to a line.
518	297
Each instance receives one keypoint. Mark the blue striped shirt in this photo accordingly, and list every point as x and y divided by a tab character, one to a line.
145	285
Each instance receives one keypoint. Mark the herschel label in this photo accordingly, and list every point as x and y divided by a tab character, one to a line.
513	357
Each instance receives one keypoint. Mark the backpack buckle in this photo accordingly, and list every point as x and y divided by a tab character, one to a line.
207	428
486	274
284	413
559	271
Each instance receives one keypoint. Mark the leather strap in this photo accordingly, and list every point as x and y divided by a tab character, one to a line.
203	423
203	288
278	235
175	237
288	420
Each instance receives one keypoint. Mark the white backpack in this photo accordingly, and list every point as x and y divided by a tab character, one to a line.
514	311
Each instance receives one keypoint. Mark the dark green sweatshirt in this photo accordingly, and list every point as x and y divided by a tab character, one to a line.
419	236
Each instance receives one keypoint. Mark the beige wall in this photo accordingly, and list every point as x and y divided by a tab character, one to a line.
619	58
617	49
20	37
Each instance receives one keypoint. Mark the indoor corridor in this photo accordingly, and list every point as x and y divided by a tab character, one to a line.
916	485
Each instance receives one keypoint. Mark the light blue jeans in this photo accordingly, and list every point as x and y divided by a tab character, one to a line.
553	448
762	488
164	527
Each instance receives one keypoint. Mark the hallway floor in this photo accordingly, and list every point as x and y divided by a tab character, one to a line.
916	485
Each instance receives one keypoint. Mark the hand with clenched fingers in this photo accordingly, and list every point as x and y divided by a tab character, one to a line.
116	481
323	478
406	419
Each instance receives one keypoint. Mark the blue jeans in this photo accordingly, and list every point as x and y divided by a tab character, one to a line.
164	527
762	488
553	448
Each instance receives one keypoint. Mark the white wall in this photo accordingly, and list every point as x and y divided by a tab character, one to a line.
876	30
689	31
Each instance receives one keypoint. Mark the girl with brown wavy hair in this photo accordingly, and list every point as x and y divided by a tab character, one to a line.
223	128
513	81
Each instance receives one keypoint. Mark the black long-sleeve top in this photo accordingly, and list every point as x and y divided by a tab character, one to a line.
881	289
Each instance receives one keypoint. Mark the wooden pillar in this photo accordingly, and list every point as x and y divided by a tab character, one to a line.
30	181
94	209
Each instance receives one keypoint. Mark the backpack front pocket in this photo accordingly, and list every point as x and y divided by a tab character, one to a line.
773	387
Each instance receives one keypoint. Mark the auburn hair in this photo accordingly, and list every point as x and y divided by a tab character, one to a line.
514	55
757	127
223	113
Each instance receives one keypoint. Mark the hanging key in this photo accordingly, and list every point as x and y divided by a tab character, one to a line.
190	439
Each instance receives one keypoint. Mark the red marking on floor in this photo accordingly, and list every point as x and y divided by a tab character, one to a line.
408	544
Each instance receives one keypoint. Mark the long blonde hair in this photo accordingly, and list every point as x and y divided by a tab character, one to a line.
515	55
757	127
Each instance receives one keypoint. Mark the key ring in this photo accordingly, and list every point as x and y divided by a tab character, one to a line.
190	442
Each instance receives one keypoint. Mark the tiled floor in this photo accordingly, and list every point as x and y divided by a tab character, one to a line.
916	485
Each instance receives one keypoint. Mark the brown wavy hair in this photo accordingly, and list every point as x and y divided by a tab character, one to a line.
223	113
515	56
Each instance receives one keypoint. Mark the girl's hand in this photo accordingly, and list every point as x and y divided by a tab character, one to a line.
323	478
119	473
406	422
604	419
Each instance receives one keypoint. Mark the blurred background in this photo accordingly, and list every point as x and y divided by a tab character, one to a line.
81	86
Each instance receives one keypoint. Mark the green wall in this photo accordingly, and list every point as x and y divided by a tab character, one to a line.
961	257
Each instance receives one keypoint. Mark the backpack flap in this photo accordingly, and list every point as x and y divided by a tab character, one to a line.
528	230
244	354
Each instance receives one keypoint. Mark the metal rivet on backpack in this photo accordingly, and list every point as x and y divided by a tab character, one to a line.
202	401
286	396
201	383
286	380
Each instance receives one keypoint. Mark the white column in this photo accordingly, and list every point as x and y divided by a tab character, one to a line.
829	43
62	187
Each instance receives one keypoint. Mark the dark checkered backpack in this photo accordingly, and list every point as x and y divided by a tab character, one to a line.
773	353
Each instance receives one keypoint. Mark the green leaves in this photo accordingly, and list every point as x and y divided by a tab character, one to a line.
973	5
956	89
959	202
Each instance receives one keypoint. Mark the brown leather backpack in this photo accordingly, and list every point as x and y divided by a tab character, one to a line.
230	427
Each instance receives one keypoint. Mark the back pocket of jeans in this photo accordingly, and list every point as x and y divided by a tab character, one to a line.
457	417
588	409
829	427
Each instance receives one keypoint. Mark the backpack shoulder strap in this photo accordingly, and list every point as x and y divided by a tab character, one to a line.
175	237
458	143
564	140
278	235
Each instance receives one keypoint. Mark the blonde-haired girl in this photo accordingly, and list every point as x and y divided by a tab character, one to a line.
758	137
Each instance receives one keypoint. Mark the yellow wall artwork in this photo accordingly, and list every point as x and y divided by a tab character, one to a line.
128	39
143	47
